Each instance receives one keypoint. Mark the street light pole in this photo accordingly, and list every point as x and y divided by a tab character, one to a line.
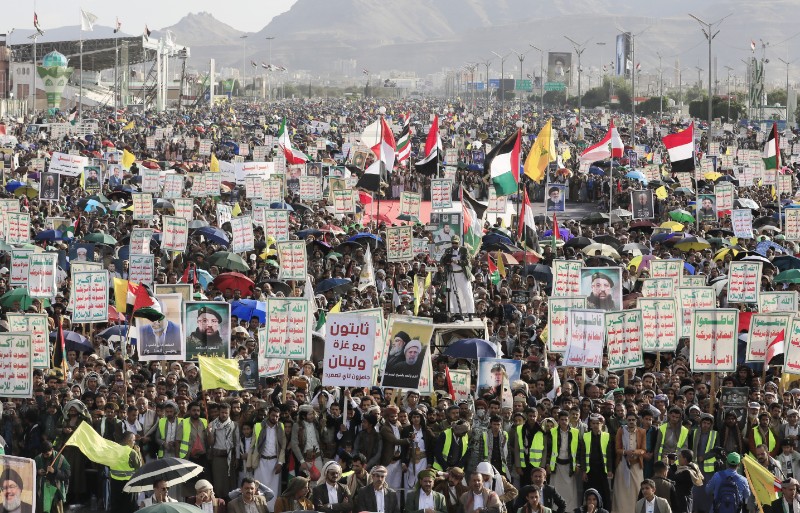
787	88
244	63
501	88
660	90
579	49
269	68
521	57
541	79
729	91
710	35
486	63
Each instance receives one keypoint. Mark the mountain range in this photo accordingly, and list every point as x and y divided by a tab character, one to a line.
425	36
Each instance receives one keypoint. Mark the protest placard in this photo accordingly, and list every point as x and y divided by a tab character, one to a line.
714	337
90	295
742	221
16	365
224	214
288	326
441	193
724	196
37	326
198	186
497	204
140	241
399	245
18	275
566	278
142	206
349	348
17	228
213	184
660	330
687	280
344	201
765	338
205	147
276	224
141	269
150	180
68	165
42	269
176	233
585	338
624	339
243	237
792	356
273	190
792	227
254	187
292	259
184	208
690	298
744	281
783	301
558	321
310	188
658	287
462	385
671	269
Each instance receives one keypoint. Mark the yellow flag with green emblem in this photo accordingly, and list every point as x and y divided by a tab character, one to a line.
98	449
218	372
765	486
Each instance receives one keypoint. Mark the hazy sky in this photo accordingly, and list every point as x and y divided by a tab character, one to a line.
247	15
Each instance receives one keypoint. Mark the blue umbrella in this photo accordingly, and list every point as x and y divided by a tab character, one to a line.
496	238
120	330
786	262
93	204
471	349
214	234
369	236
204	278
763	246
311	231
248	308
689	267
594	170
562	232
73	341
280	205
662	237
637	175
50	235
335	284
13	185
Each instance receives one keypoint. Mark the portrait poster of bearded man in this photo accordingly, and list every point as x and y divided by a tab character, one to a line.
207	326
408	349
602	287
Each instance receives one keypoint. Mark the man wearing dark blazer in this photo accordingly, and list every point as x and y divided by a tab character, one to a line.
331	496
369	496
789	502
424	499
452	487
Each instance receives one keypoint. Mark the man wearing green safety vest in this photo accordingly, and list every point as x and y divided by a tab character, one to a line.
596	457
703	442
672	436
451	447
168	431
762	434
562	460
527	446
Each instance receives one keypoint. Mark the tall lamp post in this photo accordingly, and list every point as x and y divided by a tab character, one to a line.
244	63
579	49
269	68
633	79
708	31
500	87
787	87
729	69
521	57
541	79
486	63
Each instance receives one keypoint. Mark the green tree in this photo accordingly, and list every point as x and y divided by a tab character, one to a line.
778	97
650	107
719	109
595	97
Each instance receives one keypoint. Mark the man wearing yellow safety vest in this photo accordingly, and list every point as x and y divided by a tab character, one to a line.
703	442
527	446
494	445
122	502
762	434
194	440
672	436
562	453
451	447
596	463
168	432
270	444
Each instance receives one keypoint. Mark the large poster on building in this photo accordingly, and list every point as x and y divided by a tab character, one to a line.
623	63
558	66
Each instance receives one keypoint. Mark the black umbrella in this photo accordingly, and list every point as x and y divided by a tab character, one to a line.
764	221
542	220
278	286
541	272
578	242
596	218
720	232
610	240
172	470
333	284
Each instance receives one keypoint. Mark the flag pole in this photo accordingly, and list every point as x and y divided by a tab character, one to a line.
777	174
80	98
611	181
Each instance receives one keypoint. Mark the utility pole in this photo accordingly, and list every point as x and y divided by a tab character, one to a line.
729	91
633	79
521	57
269	68
787	88
541	80
244	62
708	31
500	88
660	90
579	49
486	63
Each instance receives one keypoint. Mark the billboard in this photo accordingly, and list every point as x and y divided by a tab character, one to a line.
558	66
624	63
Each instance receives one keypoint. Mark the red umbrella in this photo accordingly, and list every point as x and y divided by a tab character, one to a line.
115	316
151	164
234	281
107	144
332	228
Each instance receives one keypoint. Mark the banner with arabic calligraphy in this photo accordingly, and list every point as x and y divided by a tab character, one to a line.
344	201
792	356
16	365
658	287
349	348
35	325
288	327
714	339
462	384
253	187
687	280
744	282
90	292
667	269
276	224
566	278
660	330
399	243
292	259
784	301
243	237
585	338
140	241
184	208
497	204
224	214
141	269
42	275
765	329
176	233
624	339
690	298
142	206
18	228
441	193
19	267
310	188
558	321
742	221
792	226
724	196
173	186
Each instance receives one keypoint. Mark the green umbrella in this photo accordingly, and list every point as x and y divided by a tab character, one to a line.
101	238
99	198
790	276
681	216
18	295
229	260
171	507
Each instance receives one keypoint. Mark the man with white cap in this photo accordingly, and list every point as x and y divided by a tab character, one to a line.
497	483
393	446
270	445
329	496
788	503
377	496
306	438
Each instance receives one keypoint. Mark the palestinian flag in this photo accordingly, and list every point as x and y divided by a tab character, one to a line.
526	229
771	156
680	147
72	117
146	305
404	142
292	155
433	147
472	212
385	151
494	274
501	167
147	33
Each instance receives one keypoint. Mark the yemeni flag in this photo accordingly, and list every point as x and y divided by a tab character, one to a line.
145	304
36	24
292	155
775	347
526	229
404	142
501	167
433	147
60	352
771	156
609	146
147	33
385	151
680	147
472	212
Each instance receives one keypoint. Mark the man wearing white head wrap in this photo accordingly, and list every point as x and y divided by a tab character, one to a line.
329	496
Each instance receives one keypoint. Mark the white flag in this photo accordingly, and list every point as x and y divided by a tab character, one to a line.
367	275
87	21
308	293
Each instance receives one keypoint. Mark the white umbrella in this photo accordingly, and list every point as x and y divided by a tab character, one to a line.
604	249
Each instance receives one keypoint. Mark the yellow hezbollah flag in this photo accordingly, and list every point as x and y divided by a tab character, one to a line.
214	165
501	267
121	294
98	449
218	372
542	153
661	193
765	486
130	126
237	210
128	159
337	308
